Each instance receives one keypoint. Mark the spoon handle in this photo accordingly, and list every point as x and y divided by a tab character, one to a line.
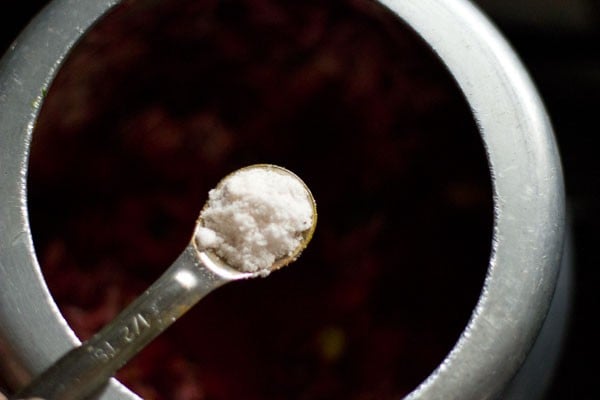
85	369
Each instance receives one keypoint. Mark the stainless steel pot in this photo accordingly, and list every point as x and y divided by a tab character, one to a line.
489	360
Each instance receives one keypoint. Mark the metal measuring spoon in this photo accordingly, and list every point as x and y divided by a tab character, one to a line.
193	275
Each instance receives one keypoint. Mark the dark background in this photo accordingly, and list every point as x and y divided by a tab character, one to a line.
559	42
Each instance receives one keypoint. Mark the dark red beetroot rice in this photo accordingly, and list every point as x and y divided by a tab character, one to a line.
162	99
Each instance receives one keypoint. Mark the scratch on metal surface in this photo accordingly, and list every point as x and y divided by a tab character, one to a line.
18	239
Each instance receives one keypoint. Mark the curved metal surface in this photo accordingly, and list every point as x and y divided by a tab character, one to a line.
527	180
32	328
529	199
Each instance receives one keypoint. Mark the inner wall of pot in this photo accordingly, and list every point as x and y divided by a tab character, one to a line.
162	99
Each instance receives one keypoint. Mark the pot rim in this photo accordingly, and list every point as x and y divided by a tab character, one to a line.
525	167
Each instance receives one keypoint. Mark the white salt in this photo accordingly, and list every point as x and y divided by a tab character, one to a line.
255	217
